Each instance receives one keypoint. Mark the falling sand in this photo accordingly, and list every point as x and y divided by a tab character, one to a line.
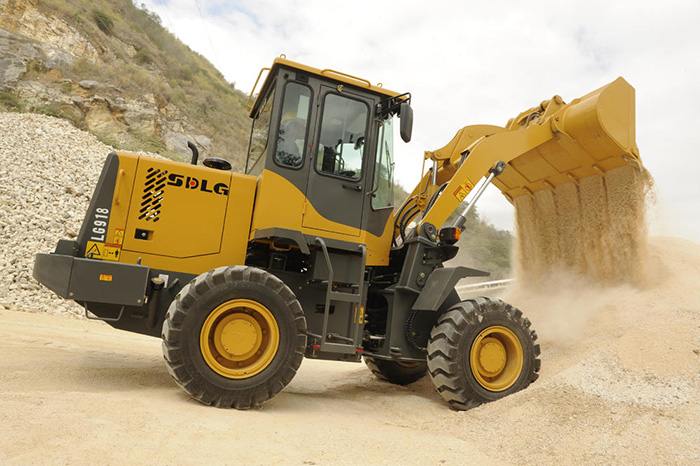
595	228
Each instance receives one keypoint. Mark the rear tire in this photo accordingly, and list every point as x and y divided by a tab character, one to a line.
234	337
482	350
396	372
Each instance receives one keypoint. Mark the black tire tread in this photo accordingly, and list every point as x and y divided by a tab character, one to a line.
192	382
443	349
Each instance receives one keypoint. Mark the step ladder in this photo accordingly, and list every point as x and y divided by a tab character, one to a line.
334	343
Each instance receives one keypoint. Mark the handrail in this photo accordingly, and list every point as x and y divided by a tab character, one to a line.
247	102
329	291
357	331
327	72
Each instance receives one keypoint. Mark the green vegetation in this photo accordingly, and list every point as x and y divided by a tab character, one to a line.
35	69
107	139
142	57
103	21
10	102
148	143
60	111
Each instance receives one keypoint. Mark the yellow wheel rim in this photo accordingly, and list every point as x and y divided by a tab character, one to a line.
496	358
239	339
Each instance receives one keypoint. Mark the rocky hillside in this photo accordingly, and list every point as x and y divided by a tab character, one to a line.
111	68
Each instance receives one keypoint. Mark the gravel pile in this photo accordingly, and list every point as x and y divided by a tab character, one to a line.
48	171
604	376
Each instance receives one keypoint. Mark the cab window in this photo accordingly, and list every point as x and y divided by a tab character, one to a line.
342	137
291	136
383	187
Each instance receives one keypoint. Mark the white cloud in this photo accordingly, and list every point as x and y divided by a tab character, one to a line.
483	62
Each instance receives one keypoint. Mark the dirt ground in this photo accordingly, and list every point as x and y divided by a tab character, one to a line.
620	384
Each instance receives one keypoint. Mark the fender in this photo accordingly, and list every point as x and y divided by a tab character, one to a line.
440	284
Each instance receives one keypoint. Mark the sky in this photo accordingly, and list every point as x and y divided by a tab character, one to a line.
468	62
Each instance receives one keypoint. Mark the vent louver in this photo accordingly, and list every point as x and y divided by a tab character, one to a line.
153	192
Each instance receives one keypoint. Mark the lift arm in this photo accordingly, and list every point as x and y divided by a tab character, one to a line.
543	147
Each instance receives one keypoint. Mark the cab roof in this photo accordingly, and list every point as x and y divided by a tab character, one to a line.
337	76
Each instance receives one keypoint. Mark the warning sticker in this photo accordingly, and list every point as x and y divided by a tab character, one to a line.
94	249
118	236
109	252
463	189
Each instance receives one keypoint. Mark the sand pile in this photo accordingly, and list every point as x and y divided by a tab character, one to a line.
620	378
619	328
594	229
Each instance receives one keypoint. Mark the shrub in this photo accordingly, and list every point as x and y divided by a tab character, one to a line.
35	69
148	143
10	102
142	57
49	110
103	21
186	74
61	111
106	139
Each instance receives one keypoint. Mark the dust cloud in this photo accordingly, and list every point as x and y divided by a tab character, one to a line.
594	229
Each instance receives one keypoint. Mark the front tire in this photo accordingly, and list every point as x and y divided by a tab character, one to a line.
234	337
482	350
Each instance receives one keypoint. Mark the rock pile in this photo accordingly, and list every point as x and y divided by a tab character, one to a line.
48	170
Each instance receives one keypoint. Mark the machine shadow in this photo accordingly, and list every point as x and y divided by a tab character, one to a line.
116	372
106	371
367	391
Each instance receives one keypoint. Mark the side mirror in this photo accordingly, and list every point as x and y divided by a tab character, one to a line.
406	117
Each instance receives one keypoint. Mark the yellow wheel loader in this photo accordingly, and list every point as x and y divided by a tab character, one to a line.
304	254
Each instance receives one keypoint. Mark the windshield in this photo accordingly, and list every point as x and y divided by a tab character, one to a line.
342	139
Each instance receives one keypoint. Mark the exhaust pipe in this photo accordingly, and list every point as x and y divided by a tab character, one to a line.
195	152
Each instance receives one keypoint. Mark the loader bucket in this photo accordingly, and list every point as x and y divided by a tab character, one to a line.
591	135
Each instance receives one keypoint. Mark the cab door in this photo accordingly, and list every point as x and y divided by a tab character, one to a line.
335	193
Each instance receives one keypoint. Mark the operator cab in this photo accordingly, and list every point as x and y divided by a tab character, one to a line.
321	146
